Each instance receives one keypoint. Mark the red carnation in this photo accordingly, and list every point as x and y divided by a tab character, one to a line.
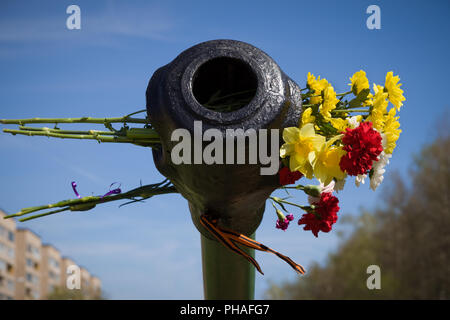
288	177
363	146
324	215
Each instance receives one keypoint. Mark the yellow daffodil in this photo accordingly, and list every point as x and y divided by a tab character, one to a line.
316	86
329	102
391	131
392	87
307	117
301	145
359	82
326	162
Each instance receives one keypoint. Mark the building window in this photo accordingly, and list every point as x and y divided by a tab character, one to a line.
32	278
11	285
11	236
11	253
34	251
2	265
30	263
52	262
31	293
6	250
3	232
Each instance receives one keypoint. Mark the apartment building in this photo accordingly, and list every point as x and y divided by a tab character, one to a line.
95	288
28	265
90	286
7	258
51	270
32	270
66	262
85	281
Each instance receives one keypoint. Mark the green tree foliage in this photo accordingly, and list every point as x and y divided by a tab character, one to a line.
408	238
60	293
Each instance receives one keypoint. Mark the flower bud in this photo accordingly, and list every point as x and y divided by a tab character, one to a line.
313	191
280	215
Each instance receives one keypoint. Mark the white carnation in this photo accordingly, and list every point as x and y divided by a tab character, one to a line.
329	188
378	170
360	178
339	185
353	122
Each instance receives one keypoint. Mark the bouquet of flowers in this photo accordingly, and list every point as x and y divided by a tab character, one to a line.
338	138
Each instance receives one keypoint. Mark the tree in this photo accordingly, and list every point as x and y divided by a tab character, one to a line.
408	238
60	293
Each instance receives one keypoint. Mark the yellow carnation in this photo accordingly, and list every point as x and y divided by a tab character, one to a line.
359	82
392	87
329	102
391	131
307	117
316	86
339	124
379	108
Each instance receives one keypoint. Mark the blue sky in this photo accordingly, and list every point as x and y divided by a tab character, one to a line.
152	250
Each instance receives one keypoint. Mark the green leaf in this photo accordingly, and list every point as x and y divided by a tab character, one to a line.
359	99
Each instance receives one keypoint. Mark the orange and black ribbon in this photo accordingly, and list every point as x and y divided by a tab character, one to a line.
228	237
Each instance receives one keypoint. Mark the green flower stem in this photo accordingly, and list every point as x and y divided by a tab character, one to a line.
298	187
43	214
337	94
89	132
356	107
343	94
279	200
150	140
273	205
75	120
64	203
350	110
87	203
132	114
